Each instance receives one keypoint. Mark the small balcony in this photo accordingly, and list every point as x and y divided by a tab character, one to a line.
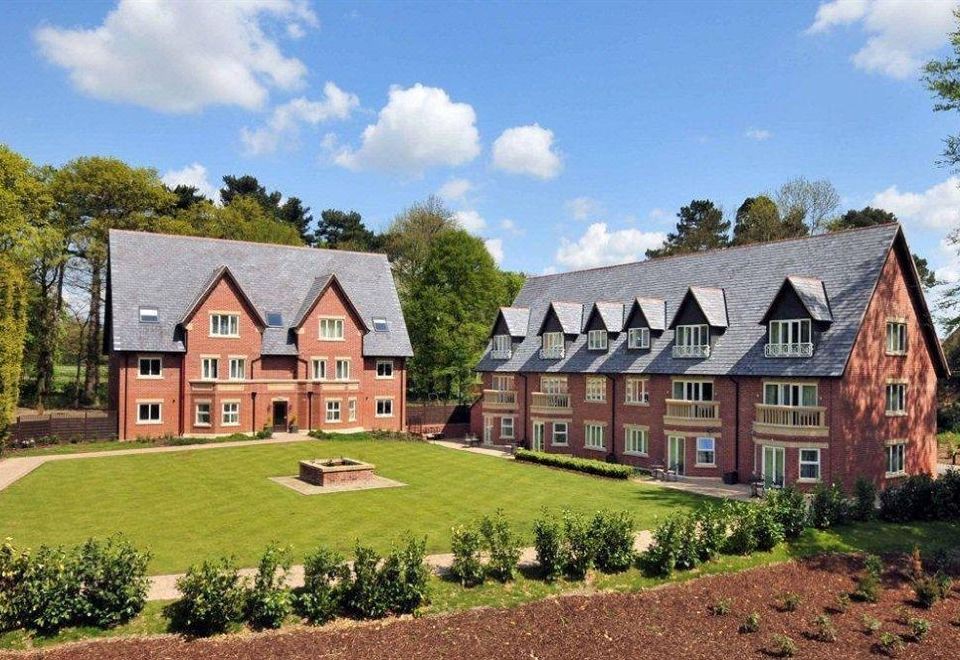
702	351
545	402
501	354
552	353
692	413
809	421
798	350
499	399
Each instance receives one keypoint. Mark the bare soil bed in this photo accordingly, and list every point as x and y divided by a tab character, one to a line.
671	622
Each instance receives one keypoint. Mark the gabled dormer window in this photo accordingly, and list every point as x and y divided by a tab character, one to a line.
501	347
638	338
551	345
691	341
792	338
597	340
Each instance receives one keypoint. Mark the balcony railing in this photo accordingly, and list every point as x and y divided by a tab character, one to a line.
501	353
499	399
550	401
691	351
692	412
551	353
800	350
803	420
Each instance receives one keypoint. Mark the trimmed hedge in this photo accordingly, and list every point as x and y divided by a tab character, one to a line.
596	468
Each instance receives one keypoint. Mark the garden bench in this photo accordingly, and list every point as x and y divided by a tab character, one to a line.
472	441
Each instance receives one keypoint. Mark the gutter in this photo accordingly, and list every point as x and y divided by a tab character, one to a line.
612	456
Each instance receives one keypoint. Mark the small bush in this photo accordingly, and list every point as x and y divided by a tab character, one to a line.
326	577
841	603
789	509
721	607
868	582
768	532
751	624
919	628
890	644
913	499
931	588
871	625
502	545
13	567
670	542
864	500
823	629
365	597
596	468
613	533
946	495
829	507
784	646
114	581
269	600
211	598
548	543
790	601
49	596
466	543
404	576
711	522
743	531
579	546
689	550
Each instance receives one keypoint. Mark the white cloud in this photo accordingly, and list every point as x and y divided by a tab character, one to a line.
758	134
600	247
470	220
937	207
295	31
510	227
180	56
495	248
455	189
420	127
283	127
192	175
582	208
527	150
901	33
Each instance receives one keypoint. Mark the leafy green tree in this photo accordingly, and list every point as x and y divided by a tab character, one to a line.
345	230
810	202
759	220
942	77
292	211
512	283
244	219
409	239
700	227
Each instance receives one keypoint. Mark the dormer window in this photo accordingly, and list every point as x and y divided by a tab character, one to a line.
791	338
501	347
597	340
638	338
149	315
380	324
551	345
692	341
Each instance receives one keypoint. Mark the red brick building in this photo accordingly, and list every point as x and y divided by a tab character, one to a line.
212	337
805	360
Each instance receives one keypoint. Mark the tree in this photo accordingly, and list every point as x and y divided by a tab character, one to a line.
942	77
759	220
809	202
292	211
409	238
186	196
295	214
701	227
244	219
345	230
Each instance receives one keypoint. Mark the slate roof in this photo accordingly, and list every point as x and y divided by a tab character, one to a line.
812	294
848	263
711	302
654	311
516	319
170	272
569	314
611	314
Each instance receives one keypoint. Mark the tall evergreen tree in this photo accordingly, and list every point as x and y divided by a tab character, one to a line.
345	230
700	227
292	211
187	196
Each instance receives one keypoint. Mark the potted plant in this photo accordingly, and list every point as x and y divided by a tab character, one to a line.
293	424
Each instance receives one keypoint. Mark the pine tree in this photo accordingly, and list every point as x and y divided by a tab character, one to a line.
701	227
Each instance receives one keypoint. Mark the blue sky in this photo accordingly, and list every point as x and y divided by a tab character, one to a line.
566	135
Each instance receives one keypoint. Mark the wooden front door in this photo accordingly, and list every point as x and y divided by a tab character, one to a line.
280	416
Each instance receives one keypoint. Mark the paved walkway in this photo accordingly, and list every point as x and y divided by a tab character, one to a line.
485	450
164	587
15	468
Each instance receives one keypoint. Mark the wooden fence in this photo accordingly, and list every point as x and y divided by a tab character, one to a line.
452	420
71	426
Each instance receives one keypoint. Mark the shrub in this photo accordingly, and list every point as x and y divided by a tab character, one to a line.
325	578
790	601
597	468
823	629
751	624
49	595
404	576
870	624
768	532
789	508
929	589
784	646
841	603
829	507
268	600
502	545
13	568
466	543
211	598
689	549
919	628
113	575
721	607
711	522
579	546
946	496
743	537
864	500
365	597
913	499
660	557
890	644
868	582
613	533
548	543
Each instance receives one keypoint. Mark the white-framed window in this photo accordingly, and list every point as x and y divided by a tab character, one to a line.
560	434
149	315
506	428
790	394
502	383
331	328
224	325
319	369
343	369
896	398
351	410
896	338
809	464
238	368
149	412
638	338
597	340
552	344
150	367
692	335
693	390
636	440
792	331
593	436
230	413
706	451
384	369
635	393
501	346
385	407
553	384
333	410
209	368
201	415
896	458
596	389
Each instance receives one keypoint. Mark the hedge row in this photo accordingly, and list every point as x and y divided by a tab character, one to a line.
597	468
921	497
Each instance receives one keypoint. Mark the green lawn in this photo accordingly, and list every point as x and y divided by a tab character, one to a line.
187	506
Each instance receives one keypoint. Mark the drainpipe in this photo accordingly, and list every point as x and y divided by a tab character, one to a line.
122	430
612	456
310	410
253	404
525	417
736	428
183	387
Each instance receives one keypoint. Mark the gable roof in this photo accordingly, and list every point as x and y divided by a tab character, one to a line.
848	263
812	295
167	272
654	311
569	315
515	318
317	289
611	315
218	274
711	302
